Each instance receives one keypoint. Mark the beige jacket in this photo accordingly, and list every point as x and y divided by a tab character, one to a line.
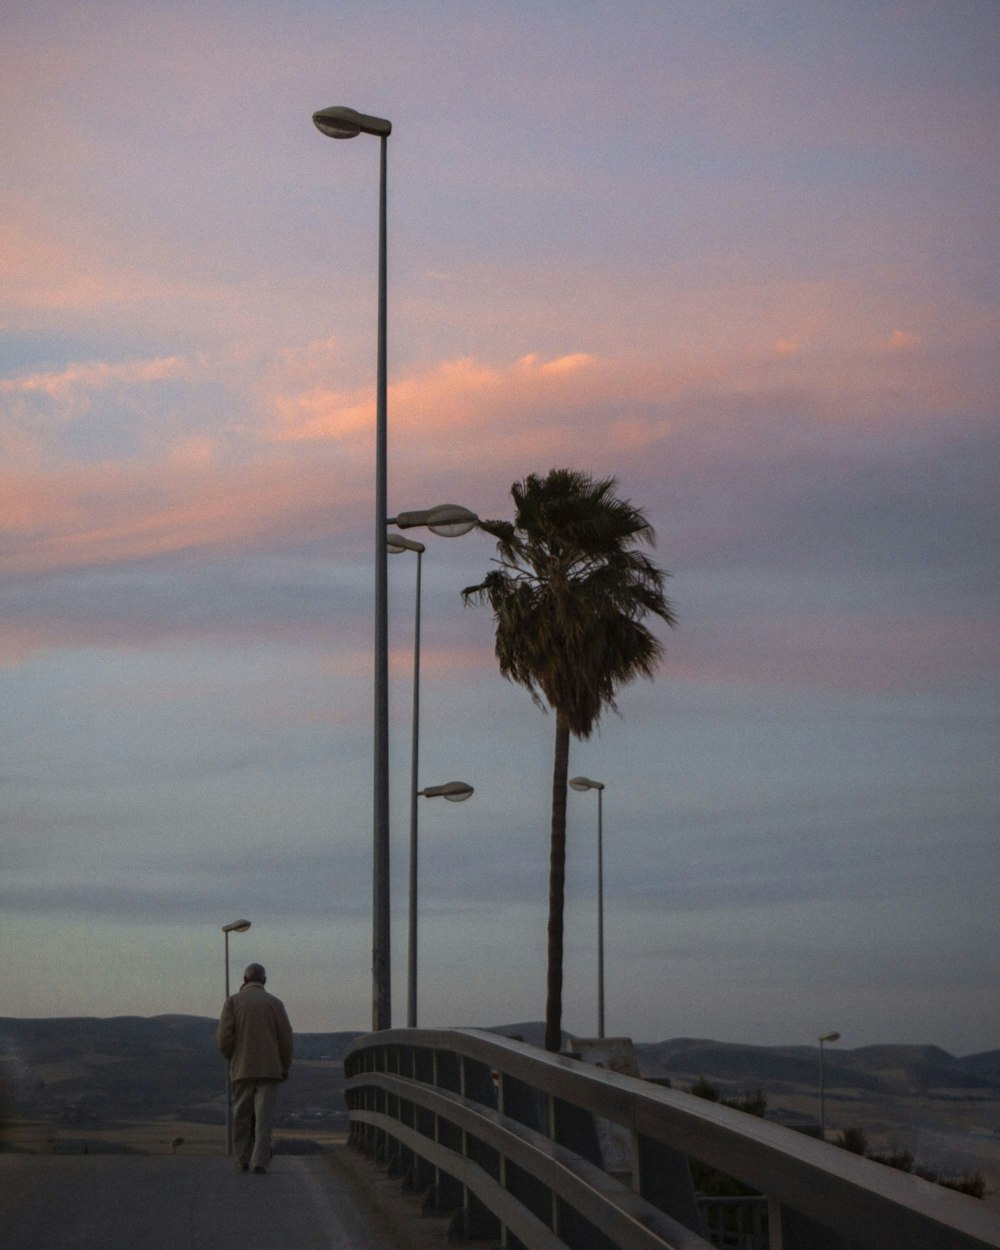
255	1036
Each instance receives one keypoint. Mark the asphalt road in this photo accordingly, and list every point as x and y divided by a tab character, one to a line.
167	1202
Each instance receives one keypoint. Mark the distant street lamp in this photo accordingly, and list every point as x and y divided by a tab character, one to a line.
237	926
454	792
345	123
584	783
832	1036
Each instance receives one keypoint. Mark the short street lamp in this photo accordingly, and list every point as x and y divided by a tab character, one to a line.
832	1036
447	520
454	792
236	926
399	543
584	783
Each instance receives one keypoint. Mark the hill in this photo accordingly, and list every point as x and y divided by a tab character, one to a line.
894	1069
90	1071
84	1074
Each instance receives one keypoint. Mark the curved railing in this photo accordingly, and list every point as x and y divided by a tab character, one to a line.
520	1144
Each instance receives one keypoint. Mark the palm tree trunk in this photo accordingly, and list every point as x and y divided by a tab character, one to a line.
557	888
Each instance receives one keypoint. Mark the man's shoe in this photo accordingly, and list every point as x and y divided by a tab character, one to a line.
241	1166
259	1170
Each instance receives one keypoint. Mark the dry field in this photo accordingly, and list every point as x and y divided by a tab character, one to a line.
952	1134
157	1137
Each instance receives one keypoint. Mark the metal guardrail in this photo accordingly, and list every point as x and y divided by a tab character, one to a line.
734	1223
506	1136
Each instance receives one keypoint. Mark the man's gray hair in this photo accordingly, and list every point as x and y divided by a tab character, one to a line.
255	972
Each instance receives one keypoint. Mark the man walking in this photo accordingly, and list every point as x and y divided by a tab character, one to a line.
255	1036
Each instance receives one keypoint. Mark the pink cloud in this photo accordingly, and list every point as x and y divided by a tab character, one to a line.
46	275
463	427
93	376
18	643
355	660
429	403
899	341
108	513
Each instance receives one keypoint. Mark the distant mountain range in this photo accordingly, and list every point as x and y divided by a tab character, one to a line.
132	1068
90	1071
880	1069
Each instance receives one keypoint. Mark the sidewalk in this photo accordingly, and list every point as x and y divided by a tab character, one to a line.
166	1202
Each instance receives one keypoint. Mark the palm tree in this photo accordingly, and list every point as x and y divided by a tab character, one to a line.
568	599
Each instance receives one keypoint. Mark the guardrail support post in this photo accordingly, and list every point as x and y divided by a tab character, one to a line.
446	1194
662	1176
790	1230
775	1240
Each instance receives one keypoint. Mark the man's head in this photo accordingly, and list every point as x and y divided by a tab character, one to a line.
255	973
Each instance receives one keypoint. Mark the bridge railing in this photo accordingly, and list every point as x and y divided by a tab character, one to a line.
508	1137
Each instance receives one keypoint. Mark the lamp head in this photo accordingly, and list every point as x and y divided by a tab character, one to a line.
832	1036
585	783
397	543
237	926
447	520
453	791
344	123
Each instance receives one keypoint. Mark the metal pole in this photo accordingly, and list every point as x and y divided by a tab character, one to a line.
600	913
381	968
411	1002
822	1093
229	1088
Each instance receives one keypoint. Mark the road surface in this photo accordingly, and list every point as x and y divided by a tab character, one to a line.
169	1202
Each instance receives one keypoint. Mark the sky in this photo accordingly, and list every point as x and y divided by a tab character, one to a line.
739	255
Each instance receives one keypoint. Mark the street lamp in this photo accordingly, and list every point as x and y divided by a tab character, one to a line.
399	543
448	520
832	1036
236	926
454	792
584	783
344	123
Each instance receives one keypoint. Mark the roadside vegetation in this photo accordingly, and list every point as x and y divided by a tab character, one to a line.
856	1141
716	1184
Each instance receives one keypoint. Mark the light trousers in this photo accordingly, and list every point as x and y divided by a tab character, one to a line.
253	1116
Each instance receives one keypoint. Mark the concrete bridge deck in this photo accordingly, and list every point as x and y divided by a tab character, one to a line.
166	1202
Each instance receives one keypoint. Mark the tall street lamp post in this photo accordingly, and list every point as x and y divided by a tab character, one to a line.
832	1036
448	520
454	792
237	926
585	783
345	123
